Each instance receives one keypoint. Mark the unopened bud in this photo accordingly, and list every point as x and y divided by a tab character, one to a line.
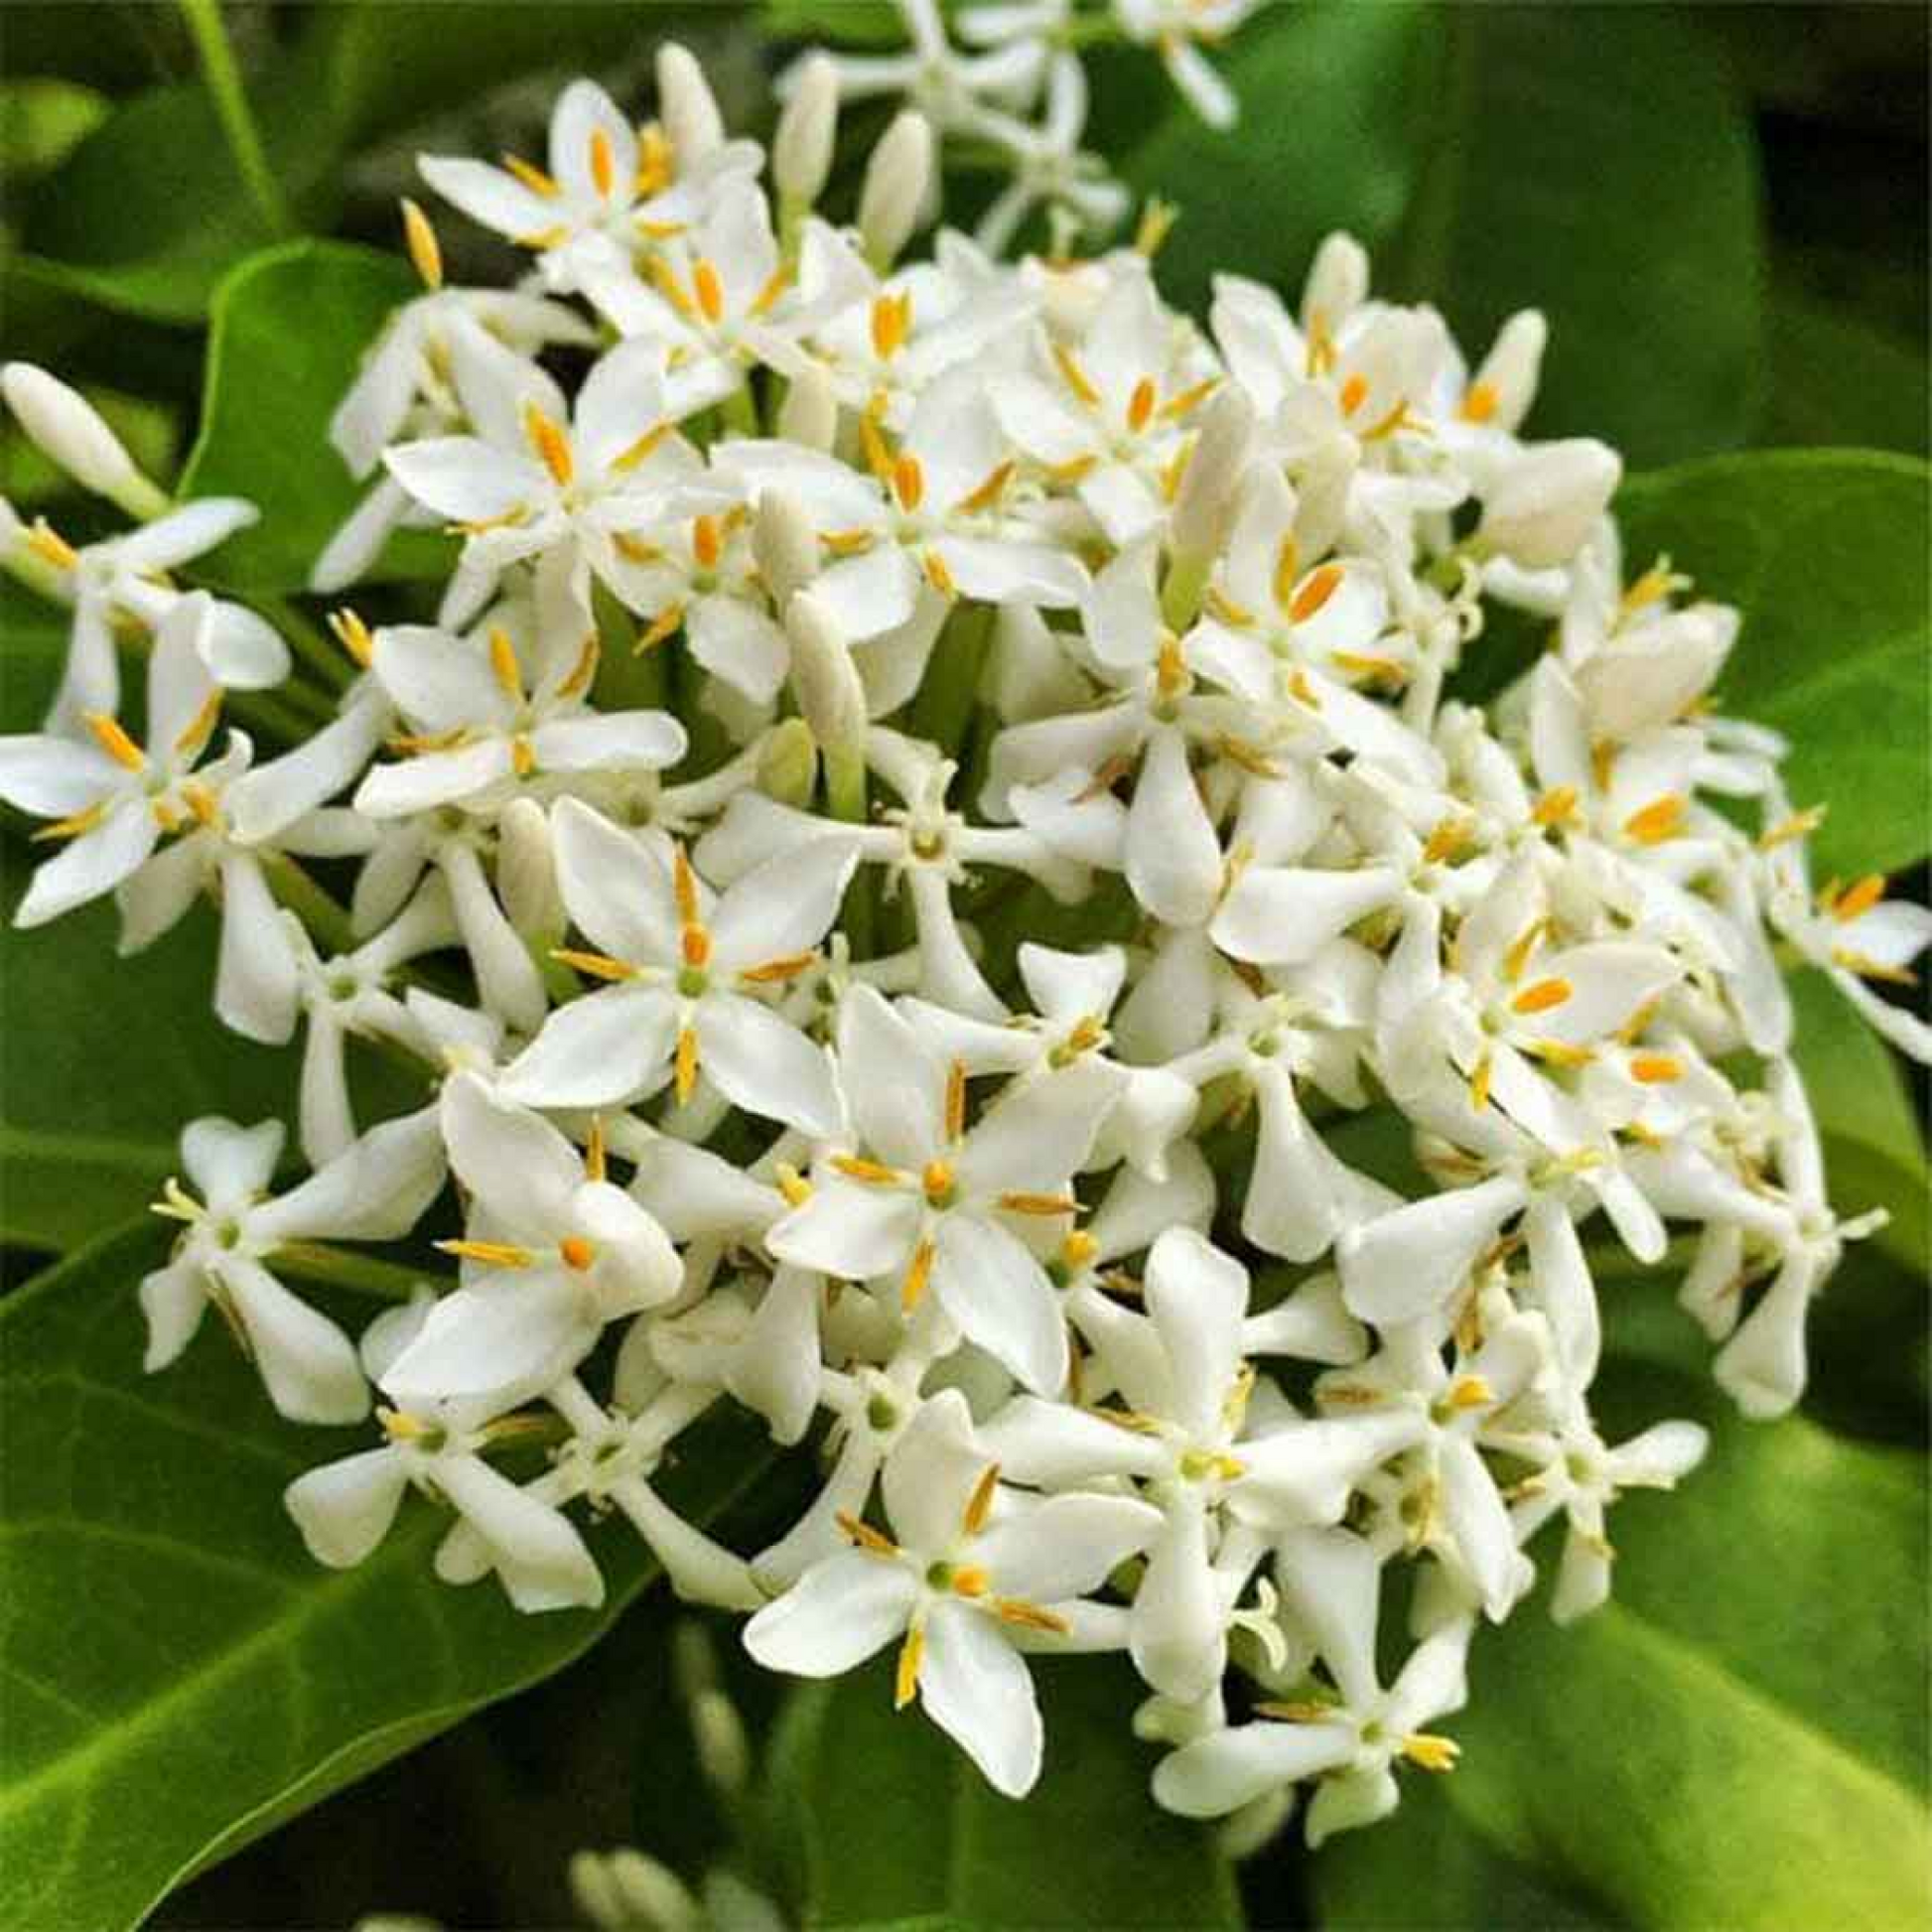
1505	385
723	1750
687	108
831	699
789	763
1205	505
785	544
527	873
809	414
624	1891
68	430
1548	501
894	191
1337	284
801	149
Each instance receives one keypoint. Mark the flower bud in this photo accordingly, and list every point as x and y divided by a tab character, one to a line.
527	873
622	1888
687	108
1205	505
831	699
784	542
896	179
809	414
801	149
1507	379
1337	284
1548	501
789	763
68	430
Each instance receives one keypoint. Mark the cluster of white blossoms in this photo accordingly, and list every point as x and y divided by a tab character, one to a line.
1059	1259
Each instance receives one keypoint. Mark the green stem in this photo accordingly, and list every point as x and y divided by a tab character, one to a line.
741	409
306	640
316	1261
326	923
268	716
218	70
845	798
944	705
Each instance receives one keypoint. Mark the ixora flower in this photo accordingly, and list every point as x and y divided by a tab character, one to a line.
966	1565
978	1006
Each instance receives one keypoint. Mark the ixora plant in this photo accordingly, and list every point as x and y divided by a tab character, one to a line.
933	878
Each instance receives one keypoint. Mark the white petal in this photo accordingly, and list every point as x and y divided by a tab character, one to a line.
1409	1262
618	891
493	1347
611	741
539	1556
1179	1638
894	1085
1227	1769
849	1229
837	1613
345	1509
1281	916
522	1167
1001	1299
1173	857
307	1363
765	1066
977	1691
1197	1297
598	1050
783	908
1066	1546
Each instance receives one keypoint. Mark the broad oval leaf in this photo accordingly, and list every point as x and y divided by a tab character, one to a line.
1824	551
179	1676
1597	163
889	1824
291	326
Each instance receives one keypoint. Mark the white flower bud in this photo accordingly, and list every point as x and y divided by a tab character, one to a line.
1337	284
789	763
801	149
1548	501
1206	502
687	108
527	873
623	1891
723	1750
1506	382
68	430
784	542
896	179
831	699
809	414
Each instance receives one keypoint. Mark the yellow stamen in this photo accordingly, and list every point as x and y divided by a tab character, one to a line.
775	285
201	726
1379	670
1299	686
879	456
793	1184
847	543
593	965
1478	403
917	1274
694	945
1430	1752
1873	969
1075	376
577	1252
630	459
671	289
909	481
1470	1392
1520	949
710	290
872	1172
654	161
201	803
503	661
1798	826
1189	399
864	1535
1448	838
1560	1052
424	252
935	1177
1288	567
891	323
1479	1077
955	1100
1078	1249
1250	758
938	575
540	238
1223	607
707	545
906	1679
1542	996
686	1077
979	1505
664	625
1156	222
1321	344
1030	1616
1139	405
988	491
493	1253
776	971
51	548
115	740
1661	819
1169	667
1856	901
532	177
1554	806
1320	587
1602	761
1656	1069
165	815
584	670
684	886
353	635
604	165
1352	393
970	1580
596	1161
1657	582
551	445
1043	1204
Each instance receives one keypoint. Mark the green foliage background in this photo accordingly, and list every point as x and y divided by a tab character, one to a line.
1717	207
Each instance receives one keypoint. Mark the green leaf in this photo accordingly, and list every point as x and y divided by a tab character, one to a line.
33	652
1837	378
1325	142
180	1676
1736	1740
1824	551
892	1825
1596	162
290	328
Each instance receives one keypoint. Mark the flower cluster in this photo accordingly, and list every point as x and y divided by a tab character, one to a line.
999	599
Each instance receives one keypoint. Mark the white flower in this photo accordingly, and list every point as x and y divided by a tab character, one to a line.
1175	27
373	1191
683	968
969	1565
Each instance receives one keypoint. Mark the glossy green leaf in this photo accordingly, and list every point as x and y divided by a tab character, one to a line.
1837	379
179	1676
1596	162
1736	1740
1824	551
1326	141
291	326
892	1824
33	652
